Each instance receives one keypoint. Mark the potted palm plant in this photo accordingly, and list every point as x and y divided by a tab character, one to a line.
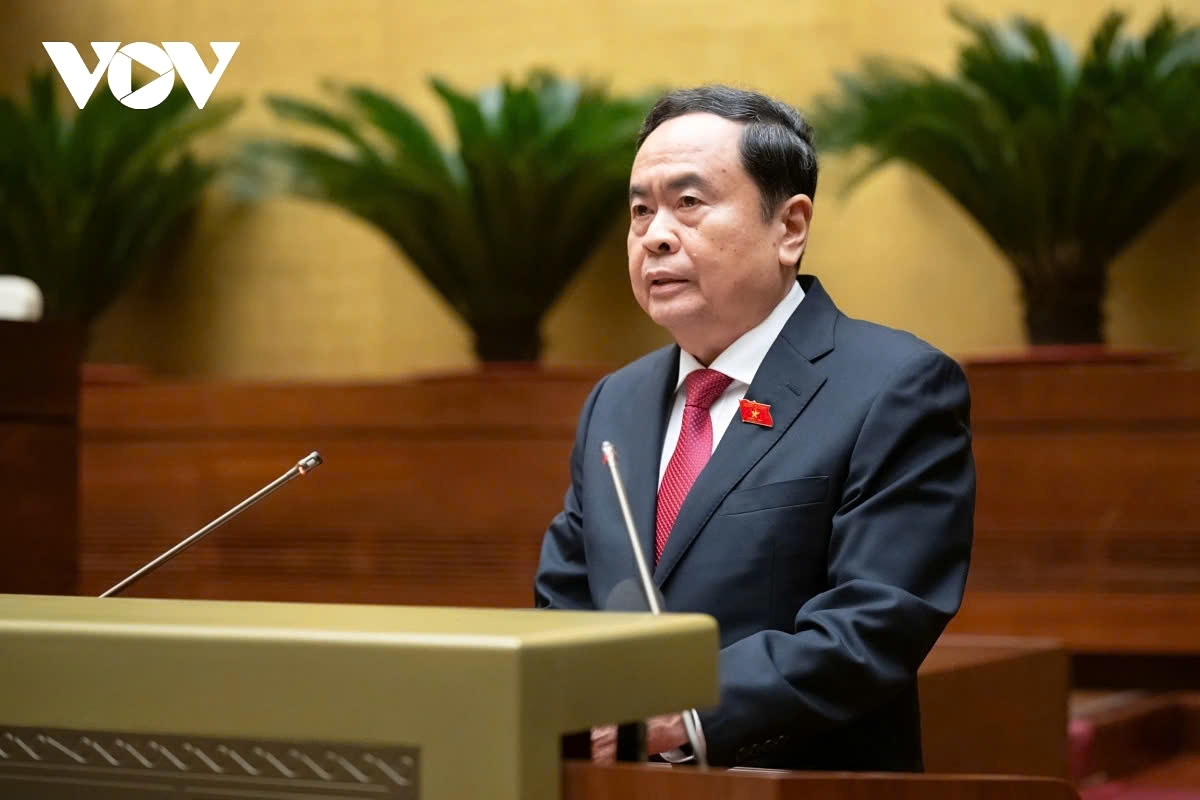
90	202
498	224
1061	158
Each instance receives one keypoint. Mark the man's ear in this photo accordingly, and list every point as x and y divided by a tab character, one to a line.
796	214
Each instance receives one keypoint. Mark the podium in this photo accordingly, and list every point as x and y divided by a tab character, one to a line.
138	699
143	699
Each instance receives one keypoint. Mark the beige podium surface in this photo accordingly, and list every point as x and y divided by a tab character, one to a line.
133	698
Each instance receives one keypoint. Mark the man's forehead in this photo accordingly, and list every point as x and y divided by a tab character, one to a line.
691	134
694	143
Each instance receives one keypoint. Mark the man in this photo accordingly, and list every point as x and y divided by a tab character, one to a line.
827	522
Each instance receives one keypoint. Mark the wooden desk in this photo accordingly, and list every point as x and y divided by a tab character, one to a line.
995	705
583	781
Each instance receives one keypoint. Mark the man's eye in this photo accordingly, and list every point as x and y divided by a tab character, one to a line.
639	211
689	201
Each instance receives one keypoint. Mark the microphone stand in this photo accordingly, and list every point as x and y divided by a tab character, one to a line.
691	719
302	467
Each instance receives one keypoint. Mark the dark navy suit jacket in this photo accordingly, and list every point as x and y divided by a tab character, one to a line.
832	548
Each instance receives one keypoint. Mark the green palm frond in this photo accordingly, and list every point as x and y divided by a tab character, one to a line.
88	202
499	223
1059	157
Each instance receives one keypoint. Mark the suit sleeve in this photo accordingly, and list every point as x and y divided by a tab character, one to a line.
561	581
897	567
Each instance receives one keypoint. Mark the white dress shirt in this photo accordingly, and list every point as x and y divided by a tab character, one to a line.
739	361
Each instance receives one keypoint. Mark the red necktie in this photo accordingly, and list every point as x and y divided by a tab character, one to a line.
692	450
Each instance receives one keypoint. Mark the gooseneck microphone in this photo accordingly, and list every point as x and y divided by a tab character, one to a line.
648	588
691	720
302	467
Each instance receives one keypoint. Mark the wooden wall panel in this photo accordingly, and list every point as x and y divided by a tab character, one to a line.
432	492
439	490
1088	514
1091	478
388	520
39	466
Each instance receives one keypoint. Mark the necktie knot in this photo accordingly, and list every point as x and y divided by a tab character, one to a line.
704	386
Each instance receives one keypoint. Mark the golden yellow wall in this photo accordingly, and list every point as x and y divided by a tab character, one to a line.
297	291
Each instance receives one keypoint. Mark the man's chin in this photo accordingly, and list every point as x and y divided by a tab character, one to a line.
677	317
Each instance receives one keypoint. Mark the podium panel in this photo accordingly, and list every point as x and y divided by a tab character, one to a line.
140	699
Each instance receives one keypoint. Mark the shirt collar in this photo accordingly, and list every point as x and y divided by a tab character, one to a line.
741	359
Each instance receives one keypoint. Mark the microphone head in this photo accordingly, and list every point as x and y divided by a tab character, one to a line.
309	462
628	596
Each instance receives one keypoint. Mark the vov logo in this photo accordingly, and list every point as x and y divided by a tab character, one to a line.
163	61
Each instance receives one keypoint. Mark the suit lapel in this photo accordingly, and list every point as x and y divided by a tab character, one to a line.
786	380
640	450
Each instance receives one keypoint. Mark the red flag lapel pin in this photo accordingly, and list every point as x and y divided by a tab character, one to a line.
756	413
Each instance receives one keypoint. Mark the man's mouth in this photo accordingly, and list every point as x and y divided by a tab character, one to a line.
663	288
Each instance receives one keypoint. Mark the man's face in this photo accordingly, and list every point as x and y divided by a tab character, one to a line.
703	263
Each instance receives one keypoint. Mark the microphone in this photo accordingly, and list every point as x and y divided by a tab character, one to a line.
628	595
621	594
302	467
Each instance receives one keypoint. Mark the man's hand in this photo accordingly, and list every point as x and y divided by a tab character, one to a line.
663	733
604	744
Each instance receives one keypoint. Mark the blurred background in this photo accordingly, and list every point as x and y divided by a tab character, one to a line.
299	290
395	233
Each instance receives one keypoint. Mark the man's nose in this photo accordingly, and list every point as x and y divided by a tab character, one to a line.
660	236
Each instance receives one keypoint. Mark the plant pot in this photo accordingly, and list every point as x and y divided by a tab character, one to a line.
508	341
1063	300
